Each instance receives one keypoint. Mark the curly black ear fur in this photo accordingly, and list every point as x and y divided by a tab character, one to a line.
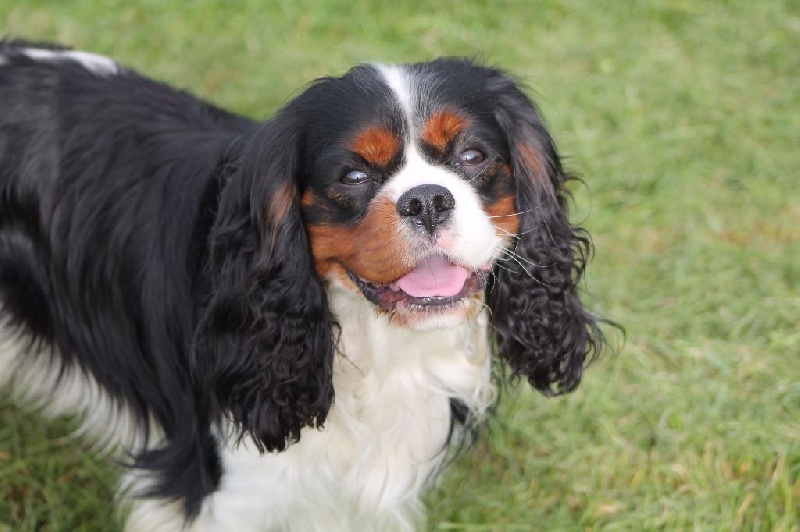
264	347
542	330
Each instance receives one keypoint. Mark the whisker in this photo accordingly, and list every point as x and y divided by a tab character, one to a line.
520	212
486	169
533	264
529	274
537	281
484	276
516	258
516	235
502	267
547	228
479	174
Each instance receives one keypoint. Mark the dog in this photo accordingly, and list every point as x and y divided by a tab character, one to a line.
286	325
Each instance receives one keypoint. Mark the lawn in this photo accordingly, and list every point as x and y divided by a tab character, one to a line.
683	117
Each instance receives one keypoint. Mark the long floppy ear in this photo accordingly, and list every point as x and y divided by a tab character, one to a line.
542	329
264	347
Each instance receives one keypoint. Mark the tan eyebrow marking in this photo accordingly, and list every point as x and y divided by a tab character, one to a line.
441	128
376	145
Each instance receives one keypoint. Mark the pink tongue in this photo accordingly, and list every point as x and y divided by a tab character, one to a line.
435	276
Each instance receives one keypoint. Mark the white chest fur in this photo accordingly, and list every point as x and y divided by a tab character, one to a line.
384	438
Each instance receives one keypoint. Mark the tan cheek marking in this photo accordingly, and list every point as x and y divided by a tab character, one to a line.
371	248
376	145
441	128
504	215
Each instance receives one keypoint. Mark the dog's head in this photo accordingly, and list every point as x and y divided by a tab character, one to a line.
428	189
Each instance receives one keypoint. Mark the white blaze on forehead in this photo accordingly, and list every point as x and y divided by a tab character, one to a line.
399	81
96	63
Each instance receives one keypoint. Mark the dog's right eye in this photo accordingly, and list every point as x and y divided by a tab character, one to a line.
471	157
355	177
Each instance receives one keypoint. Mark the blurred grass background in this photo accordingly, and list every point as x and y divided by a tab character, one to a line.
683	117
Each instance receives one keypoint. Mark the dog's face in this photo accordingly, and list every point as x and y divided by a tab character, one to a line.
428	189
408	194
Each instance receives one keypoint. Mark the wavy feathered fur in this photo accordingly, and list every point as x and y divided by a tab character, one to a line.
265	344
542	329
210	292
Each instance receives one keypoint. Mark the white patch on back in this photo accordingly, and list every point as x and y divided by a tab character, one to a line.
100	65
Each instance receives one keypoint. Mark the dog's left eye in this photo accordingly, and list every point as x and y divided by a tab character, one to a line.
471	157
355	177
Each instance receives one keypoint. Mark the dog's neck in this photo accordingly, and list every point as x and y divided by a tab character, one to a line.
387	433
452	362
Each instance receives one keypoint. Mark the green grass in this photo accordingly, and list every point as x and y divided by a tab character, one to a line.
683	117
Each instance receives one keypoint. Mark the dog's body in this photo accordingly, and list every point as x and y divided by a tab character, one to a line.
283	326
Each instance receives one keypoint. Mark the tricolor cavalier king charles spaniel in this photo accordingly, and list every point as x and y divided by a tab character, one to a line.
282	325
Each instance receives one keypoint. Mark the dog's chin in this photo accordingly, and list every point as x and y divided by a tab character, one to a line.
421	306
438	318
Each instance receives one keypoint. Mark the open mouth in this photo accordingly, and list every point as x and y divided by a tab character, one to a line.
433	283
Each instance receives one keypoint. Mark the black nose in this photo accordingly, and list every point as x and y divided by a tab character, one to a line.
426	206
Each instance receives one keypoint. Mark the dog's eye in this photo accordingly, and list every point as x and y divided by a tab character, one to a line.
355	177
471	157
